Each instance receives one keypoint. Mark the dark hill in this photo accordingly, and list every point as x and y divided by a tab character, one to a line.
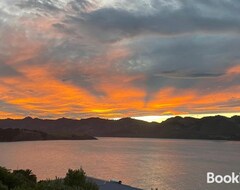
12	135
217	127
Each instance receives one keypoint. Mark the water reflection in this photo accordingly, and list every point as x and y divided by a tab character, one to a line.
145	163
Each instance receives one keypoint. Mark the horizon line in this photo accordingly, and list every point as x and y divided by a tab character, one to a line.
148	119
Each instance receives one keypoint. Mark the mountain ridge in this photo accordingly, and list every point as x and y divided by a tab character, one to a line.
213	127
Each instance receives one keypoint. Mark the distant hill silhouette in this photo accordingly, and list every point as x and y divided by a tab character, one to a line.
217	127
11	135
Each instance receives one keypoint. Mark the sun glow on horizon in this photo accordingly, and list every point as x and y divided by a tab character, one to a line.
155	118
160	119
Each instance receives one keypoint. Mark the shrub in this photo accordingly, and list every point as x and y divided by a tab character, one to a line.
78	181
8	179
26	180
23	179
23	187
3	187
4	175
56	184
27	174
90	186
75	178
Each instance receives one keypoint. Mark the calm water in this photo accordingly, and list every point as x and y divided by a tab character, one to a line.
144	163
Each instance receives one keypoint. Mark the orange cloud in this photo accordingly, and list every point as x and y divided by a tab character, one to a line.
234	70
41	94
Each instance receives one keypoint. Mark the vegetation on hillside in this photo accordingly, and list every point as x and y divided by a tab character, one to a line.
26	180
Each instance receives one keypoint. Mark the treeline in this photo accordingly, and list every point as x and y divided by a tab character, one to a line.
26	180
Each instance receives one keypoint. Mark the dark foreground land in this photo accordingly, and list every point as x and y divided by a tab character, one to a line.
74	180
212	128
12	135
26	180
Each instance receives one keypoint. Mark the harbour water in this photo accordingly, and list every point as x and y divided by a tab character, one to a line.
165	164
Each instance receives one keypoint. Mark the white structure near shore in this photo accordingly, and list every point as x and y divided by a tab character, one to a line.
110	185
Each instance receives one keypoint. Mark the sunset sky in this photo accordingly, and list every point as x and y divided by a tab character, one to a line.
149	59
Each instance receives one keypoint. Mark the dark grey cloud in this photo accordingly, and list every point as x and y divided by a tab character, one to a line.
61	27
193	39
10	108
7	71
177	75
70	50
181	47
46	5
81	5
88	82
232	103
183	61
222	107
191	17
53	7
